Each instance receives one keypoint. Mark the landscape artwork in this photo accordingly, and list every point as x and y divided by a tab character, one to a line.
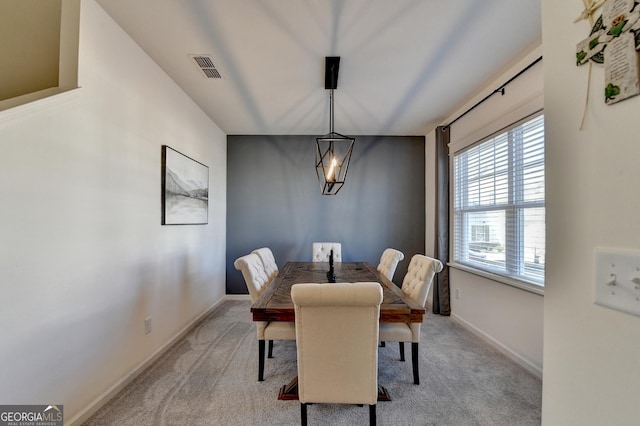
185	189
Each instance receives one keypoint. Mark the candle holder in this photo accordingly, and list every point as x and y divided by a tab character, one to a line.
331	276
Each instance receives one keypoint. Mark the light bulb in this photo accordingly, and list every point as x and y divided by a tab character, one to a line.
331	174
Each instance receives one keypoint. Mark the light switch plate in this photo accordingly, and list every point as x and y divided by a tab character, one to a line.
617	279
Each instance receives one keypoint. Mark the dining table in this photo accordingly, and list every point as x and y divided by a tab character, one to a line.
275	304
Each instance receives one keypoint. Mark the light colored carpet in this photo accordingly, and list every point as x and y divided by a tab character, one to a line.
210	378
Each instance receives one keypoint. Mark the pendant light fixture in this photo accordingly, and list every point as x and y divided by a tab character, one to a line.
333	150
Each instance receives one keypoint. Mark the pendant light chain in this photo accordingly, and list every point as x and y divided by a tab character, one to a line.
331	116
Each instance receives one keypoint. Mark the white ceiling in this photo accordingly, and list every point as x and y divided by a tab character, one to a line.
405	64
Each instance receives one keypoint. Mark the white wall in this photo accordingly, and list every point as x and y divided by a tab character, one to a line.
591	353
509	318
83	257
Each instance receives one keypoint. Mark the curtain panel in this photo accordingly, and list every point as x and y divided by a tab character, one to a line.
441	294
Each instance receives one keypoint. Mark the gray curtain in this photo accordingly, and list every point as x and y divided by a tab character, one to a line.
441	299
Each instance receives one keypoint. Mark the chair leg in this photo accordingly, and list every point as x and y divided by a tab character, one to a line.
303	414
270	348
401	344
260	360
372	414
414	358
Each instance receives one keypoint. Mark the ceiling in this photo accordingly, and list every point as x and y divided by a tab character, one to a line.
405	64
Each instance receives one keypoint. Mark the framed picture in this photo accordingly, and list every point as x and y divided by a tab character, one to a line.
185	189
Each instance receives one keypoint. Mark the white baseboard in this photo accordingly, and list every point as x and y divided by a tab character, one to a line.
103	398
514	356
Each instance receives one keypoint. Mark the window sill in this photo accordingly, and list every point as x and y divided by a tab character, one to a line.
522	285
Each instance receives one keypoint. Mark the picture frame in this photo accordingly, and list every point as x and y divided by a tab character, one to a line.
185	189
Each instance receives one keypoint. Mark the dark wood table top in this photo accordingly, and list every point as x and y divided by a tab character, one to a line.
275	304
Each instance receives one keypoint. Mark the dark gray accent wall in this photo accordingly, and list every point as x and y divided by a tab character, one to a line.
274	200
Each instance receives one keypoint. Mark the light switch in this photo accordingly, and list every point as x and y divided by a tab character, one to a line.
617	281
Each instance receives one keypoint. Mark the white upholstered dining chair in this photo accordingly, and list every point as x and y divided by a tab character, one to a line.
322	251
337	339
256	279
416	284
268	261
389	262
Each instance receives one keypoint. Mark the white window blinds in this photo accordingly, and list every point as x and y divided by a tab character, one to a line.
499	203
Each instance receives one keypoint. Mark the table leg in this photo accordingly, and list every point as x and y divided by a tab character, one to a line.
289	391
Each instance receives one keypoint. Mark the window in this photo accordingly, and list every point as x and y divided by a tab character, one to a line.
499	203
480	233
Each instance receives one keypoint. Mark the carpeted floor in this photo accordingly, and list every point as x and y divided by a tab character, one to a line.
210	378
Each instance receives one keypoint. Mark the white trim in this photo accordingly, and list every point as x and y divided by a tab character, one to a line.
523	285
528	365
106	396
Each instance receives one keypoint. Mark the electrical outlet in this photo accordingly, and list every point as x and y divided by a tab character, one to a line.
147	325
457	293
617	281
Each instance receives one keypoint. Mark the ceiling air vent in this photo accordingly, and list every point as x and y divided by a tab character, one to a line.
205	64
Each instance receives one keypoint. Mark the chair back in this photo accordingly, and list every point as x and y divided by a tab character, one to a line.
253	272
322	251
268	261
337	342
419	277
389	262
